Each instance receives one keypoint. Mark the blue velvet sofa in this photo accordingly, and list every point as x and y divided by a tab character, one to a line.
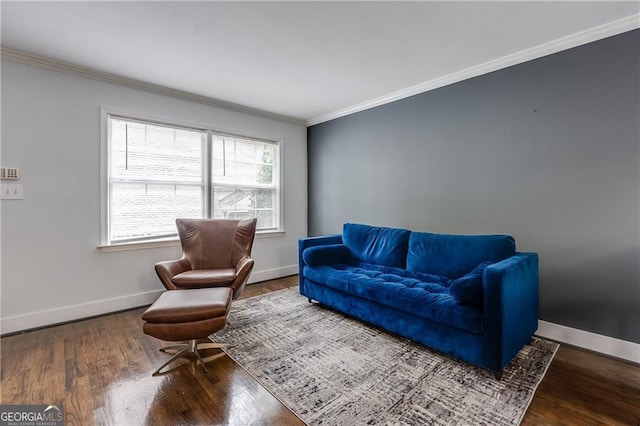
470	296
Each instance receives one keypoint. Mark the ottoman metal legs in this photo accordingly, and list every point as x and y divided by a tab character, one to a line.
187	349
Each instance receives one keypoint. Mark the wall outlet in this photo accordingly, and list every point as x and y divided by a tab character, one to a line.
11	191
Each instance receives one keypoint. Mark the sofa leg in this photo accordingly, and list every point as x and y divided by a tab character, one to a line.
498	375
309	299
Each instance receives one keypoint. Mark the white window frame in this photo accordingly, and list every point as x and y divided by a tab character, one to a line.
105	158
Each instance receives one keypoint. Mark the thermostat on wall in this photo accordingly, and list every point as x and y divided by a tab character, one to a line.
9	173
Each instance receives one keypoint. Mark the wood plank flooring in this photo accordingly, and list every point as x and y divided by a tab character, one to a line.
100	370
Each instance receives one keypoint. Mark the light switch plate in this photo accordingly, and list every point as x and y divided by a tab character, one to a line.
11	191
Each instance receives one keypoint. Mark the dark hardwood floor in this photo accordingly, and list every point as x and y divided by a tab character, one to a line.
100	370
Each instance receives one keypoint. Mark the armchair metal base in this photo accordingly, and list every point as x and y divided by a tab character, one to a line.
191	349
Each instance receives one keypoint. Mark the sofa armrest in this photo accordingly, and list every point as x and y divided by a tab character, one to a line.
510	307
305	243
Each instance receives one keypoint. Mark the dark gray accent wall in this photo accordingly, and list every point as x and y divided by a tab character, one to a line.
547	151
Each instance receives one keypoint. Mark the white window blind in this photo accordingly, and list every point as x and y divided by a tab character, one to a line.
157	173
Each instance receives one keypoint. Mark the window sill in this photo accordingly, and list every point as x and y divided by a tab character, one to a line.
140	245
269	234
168	242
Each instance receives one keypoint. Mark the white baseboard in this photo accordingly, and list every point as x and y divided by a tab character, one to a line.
596	342
75	312
99	307
272	274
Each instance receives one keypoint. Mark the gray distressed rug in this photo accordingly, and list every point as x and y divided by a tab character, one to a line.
333	370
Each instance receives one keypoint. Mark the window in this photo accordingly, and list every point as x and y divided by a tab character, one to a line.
157	172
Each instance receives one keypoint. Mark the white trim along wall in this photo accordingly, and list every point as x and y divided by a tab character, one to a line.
595	342
607	30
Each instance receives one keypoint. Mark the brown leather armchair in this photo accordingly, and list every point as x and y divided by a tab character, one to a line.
215	253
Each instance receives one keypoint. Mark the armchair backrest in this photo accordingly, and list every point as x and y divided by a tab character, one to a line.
216	243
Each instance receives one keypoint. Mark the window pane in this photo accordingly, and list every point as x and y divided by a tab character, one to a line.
231	202
149	210
150	152
236	202
242	161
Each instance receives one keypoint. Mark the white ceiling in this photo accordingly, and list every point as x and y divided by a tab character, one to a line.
306	60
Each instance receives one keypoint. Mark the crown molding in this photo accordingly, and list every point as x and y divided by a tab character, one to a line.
69	68
574	40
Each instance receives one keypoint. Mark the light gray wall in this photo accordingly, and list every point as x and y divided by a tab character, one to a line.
51	267
547	151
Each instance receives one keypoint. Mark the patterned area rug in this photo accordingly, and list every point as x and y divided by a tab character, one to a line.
333	370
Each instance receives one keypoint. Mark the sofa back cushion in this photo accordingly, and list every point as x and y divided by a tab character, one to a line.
455	255
377	245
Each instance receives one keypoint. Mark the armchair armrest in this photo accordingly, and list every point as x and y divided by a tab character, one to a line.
170	268
510	307
305	243
243	270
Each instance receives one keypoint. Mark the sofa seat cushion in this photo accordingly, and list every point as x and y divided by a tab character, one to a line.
430	300
426	278
205	278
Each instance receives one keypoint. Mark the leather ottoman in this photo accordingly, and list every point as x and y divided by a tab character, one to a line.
188	315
